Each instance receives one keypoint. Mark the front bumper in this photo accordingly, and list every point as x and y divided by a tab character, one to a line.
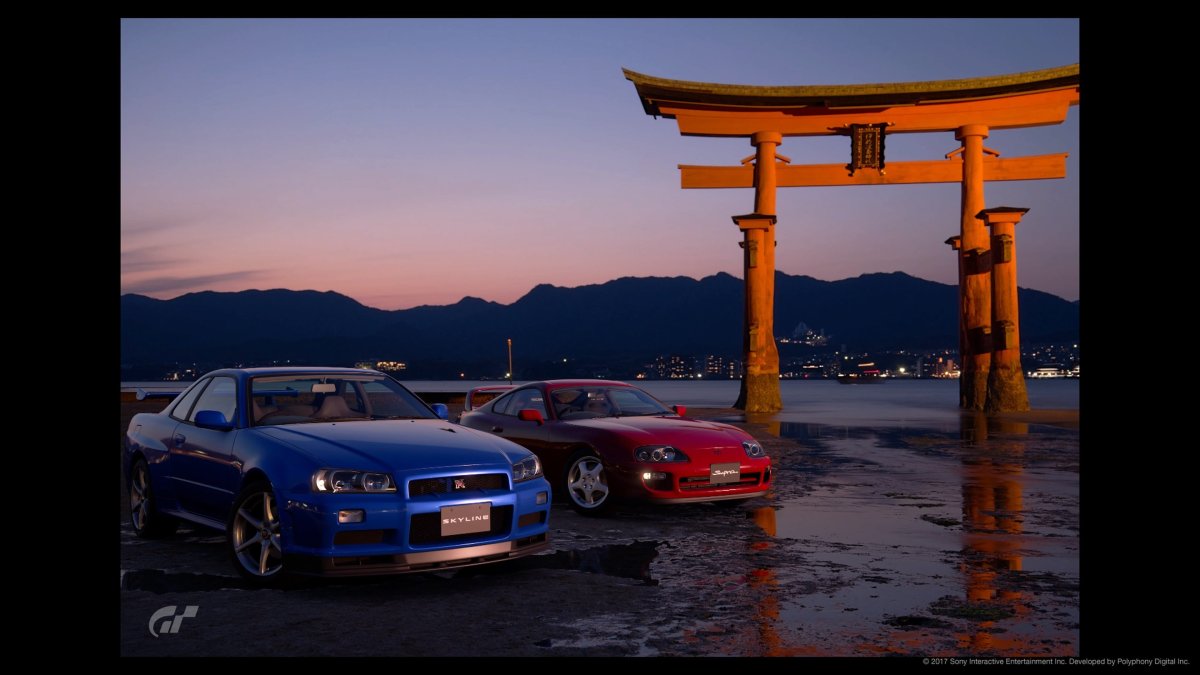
712	498
686	483
397	533
426	561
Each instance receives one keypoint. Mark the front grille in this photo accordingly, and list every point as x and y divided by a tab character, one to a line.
449	484
360	537
702	482
426	528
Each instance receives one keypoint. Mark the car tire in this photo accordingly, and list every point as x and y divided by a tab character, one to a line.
148	522
253	535
585	483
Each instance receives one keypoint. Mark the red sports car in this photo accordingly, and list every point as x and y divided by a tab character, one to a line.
600	440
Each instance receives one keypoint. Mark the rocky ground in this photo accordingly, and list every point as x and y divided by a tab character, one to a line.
874	541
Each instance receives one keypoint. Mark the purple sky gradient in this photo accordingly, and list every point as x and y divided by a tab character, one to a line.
408	162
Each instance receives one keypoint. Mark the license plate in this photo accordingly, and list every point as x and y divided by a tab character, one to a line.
725	473
466	519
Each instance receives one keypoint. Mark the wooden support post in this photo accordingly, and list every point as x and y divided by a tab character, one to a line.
760	359
976	291
1006	379
956	244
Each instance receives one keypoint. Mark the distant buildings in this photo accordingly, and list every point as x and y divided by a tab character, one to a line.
825	363
181	375
385	366
803	335
800	361
677	367
941	367
1051	361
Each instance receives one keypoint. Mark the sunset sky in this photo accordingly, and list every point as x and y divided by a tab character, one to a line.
404	162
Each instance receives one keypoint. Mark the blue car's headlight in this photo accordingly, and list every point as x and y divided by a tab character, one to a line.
659	453
527	469
348	480
753	449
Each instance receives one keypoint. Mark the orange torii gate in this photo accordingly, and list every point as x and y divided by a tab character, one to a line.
867	113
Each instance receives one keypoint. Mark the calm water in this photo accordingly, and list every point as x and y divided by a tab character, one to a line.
896	402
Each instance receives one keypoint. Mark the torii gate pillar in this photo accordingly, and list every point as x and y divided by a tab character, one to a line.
760	356
975	291
1006	380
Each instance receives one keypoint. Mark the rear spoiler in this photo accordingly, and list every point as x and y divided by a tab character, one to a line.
492	387
495	389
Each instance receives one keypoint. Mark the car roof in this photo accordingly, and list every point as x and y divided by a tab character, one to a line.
292	370
560	384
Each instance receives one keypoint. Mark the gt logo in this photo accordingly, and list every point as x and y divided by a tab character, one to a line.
170	622
460	483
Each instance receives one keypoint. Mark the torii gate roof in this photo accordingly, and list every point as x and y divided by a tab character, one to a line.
1002	101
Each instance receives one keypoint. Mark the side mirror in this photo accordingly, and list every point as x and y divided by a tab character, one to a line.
213	419
442	410
530	415
680	410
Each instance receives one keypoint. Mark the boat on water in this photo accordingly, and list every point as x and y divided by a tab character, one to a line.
867	373
1048	371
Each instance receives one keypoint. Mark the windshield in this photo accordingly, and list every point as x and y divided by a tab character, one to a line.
578	403
298	399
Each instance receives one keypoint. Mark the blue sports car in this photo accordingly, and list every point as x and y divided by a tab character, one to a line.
331	471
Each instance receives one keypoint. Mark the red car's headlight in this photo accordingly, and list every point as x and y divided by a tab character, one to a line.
659	453
753	449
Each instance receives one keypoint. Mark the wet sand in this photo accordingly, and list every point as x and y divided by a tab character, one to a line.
946	539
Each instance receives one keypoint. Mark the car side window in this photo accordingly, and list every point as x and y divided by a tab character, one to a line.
482	398
501	404
220	395
181	409
526	398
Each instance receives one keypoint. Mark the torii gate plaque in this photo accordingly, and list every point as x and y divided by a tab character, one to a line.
867	113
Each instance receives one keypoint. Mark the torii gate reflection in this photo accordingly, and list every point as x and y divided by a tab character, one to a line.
969	108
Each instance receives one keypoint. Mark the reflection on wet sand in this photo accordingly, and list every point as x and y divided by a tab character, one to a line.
768	420
763	580
887	586
992	527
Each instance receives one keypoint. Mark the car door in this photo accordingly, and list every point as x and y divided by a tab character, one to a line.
162	435
205	469
530	434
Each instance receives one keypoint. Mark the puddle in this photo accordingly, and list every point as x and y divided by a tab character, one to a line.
628	561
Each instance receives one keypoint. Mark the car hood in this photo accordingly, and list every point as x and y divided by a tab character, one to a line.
397	445
680	432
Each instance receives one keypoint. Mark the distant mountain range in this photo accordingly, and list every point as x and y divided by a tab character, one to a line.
624	320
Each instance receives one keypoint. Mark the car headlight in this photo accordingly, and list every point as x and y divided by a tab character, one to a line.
348	480
659	453
527	469
753	449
